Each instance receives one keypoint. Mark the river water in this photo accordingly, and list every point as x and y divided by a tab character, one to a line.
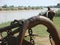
6	16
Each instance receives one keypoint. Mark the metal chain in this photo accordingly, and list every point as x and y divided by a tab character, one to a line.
50	36
31	39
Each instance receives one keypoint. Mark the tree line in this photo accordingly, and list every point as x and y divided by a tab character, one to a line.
5	7
12	7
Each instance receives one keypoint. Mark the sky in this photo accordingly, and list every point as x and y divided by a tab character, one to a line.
29	2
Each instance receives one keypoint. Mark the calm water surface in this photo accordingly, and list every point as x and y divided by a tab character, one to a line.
6	16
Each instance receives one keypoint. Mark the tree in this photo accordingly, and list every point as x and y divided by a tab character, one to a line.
4	6
58	4
12	6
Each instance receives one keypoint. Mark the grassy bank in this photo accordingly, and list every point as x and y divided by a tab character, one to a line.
19	8
40	29
4	24
58	13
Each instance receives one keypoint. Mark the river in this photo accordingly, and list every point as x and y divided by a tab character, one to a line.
6	16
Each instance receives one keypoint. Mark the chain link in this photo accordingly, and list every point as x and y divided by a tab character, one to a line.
31	39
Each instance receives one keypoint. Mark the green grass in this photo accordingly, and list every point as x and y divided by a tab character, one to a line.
57	23
40	30
4	24
58	13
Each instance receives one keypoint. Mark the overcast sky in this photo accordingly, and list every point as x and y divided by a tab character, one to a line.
29	2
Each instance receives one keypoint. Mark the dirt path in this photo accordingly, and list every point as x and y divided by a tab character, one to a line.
42	41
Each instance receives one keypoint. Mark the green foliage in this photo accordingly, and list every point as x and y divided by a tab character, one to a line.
12	6
58	5
4	6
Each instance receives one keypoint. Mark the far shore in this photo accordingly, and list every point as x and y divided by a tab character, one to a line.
27	9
